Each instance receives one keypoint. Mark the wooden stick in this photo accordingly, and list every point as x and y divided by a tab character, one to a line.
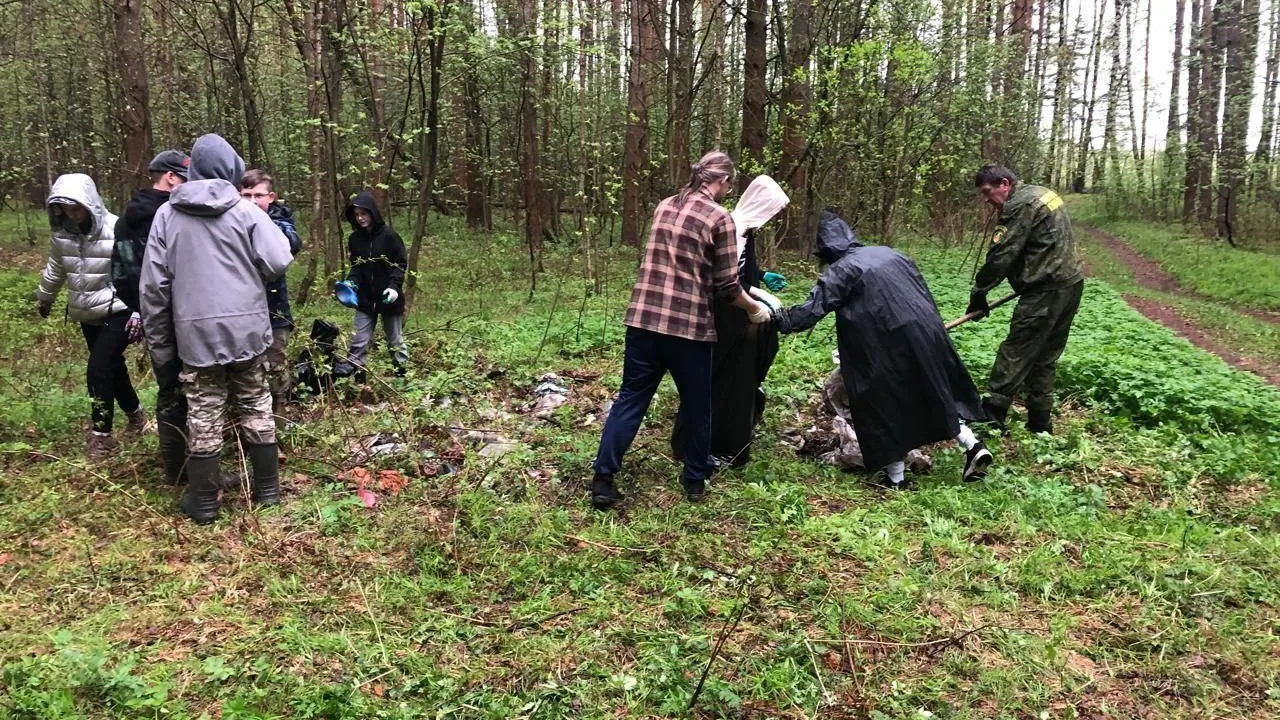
974	316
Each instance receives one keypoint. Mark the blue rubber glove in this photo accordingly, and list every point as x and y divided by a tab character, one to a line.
775	281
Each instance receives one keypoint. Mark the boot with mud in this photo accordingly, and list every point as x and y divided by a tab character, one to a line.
1040	421
266	474
137	424
173	453
100	446
200	501
997	416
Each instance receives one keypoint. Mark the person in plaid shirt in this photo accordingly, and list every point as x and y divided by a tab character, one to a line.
690	260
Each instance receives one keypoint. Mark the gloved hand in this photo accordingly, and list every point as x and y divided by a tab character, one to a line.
978	304
133	328
776	282
760	313
44	309
765	297
389	296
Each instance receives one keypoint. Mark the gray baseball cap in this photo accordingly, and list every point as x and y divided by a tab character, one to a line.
174	161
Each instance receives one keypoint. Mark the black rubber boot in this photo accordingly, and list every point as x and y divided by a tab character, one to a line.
200	501
173	452
266	474
996	415
695	491
1040	421
604	494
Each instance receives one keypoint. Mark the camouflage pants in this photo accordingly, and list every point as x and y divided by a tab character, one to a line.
1028	358
241	387
278	366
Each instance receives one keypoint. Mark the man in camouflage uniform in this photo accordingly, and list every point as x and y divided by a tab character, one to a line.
1033	249
203	293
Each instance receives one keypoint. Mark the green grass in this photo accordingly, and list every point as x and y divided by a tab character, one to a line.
1212	269
1123	568
1245	334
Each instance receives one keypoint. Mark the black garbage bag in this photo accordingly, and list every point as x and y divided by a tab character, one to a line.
314	368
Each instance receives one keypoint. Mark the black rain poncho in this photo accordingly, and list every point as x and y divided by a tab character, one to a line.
907	386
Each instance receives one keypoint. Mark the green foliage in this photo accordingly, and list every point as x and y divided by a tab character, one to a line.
1134	548
1211	268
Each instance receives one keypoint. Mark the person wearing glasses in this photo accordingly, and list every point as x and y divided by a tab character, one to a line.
259	188
168	171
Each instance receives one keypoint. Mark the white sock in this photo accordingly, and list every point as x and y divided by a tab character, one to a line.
896	471
966	438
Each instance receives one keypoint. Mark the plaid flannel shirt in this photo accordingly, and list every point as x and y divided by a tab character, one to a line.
691	258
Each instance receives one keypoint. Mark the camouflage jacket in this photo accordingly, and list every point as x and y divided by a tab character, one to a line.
1032	246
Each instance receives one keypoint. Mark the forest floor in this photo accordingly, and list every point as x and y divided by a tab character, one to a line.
435	554
1241	328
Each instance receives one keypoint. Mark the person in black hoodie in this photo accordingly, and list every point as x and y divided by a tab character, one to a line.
378	263
168	171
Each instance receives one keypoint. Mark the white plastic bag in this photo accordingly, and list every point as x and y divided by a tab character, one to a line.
762	200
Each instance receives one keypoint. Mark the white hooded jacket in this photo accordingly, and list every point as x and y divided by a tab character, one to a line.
81	261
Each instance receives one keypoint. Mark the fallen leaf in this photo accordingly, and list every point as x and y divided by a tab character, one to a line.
391	481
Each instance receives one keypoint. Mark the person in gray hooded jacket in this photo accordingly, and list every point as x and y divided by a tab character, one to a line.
80	258
204	304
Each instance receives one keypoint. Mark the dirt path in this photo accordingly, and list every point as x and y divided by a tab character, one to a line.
1149	274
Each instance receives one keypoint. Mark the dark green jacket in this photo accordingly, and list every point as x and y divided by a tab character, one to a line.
1032	246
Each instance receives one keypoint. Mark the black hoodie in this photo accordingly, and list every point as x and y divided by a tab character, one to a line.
132	230
378	259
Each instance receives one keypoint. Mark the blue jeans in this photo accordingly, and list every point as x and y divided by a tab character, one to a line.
649	356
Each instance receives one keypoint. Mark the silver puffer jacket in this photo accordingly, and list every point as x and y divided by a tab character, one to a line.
80	260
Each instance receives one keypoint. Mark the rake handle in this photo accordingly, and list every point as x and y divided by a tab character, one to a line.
973	316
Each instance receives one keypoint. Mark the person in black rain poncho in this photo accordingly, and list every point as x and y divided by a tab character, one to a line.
743	351
907	386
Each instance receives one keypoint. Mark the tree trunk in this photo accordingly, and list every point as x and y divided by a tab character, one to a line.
135	112
1114	85
635	168
1196	52
1172	136
1210	108
754	93
1262	157
1240	44
305	23
525	29
1065	70
1086	132
793	161
681	110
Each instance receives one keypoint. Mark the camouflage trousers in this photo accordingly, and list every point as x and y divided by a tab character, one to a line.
278	367
240	387
1027	362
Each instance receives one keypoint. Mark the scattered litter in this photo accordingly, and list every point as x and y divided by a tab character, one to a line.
492	444
551	393
499	448
361	477
391	481
834	440
382	445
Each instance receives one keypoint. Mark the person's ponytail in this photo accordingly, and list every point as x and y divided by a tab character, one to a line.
712	167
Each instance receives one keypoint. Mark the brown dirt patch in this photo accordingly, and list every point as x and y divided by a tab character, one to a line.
1167	316
1149	274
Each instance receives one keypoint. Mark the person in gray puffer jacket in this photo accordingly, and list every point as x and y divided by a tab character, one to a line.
204	304
80	258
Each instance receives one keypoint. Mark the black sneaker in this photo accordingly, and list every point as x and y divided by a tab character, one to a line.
881	480
694	490
603	493
976	461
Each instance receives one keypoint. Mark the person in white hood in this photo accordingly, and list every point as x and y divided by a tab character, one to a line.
204	304
80	258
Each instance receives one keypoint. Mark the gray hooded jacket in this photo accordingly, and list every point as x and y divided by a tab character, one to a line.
80	260
208	258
